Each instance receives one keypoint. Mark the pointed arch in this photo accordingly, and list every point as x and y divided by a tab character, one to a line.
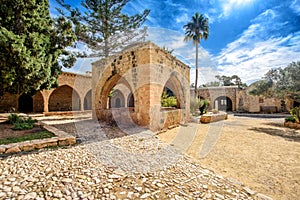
64	98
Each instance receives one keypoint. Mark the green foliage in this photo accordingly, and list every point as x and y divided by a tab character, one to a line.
33	136
203	104
32	46
168	101
280	83
21	123
230	81
196	30
13	118
290	119
295	112
102	25
22	126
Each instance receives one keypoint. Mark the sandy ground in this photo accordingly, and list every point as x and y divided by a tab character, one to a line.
260	153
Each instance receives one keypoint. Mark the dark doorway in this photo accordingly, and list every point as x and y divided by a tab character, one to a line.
224	103
118	103
130	100
25	103
296	104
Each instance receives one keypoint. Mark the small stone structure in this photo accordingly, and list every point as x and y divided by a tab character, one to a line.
127	87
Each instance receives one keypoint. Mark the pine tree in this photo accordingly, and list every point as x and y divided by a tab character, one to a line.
32	46
103	27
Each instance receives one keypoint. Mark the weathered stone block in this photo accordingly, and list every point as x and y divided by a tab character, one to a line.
208	118
13	149
66	141
2	149
27	146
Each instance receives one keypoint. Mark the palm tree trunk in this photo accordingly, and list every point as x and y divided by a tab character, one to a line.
196	81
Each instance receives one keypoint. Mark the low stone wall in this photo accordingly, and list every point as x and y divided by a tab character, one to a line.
292	125
208	118
65	112
171	117
62	139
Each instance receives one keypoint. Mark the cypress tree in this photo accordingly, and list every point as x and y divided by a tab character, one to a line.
32	46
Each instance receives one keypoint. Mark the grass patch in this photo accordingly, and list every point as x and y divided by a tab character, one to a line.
32	136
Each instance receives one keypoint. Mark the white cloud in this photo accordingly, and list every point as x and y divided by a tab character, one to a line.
228	6
259	48
254	60
295	6
182	18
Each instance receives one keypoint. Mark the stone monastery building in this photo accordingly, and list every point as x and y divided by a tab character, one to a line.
127	88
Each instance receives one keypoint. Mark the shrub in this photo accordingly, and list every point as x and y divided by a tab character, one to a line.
295	112
23	126
20	123
168	101
290	119
14	118
203	104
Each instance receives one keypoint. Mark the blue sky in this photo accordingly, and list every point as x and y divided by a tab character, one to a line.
247	37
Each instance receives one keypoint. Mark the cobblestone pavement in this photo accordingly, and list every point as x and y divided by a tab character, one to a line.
77	173
137	166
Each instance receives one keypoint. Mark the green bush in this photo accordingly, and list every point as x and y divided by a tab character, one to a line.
14	118
21	123
295	112
203	104
168	101
23	126
290	119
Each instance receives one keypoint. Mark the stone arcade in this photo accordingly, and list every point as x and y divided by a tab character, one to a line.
127	88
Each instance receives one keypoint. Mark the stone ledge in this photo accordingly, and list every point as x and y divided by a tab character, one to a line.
292	125
208	118
62	139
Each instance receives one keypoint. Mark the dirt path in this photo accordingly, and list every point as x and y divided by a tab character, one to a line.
257	152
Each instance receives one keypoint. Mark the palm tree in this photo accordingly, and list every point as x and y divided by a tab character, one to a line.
196	30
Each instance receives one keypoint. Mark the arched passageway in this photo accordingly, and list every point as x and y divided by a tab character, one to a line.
25	103
173	88
117	99
88	100
223	103
64	98
130	101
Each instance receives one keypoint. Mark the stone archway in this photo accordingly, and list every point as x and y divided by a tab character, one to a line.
25	103
223	103
64	98
88	100
146	70
117	100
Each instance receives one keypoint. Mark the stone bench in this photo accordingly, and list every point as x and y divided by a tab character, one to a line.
210	117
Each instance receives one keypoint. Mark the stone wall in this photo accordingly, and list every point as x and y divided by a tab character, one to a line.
71	94
240	100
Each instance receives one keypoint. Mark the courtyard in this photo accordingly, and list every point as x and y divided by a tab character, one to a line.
240	158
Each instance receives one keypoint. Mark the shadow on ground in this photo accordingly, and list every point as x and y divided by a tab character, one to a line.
286	134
